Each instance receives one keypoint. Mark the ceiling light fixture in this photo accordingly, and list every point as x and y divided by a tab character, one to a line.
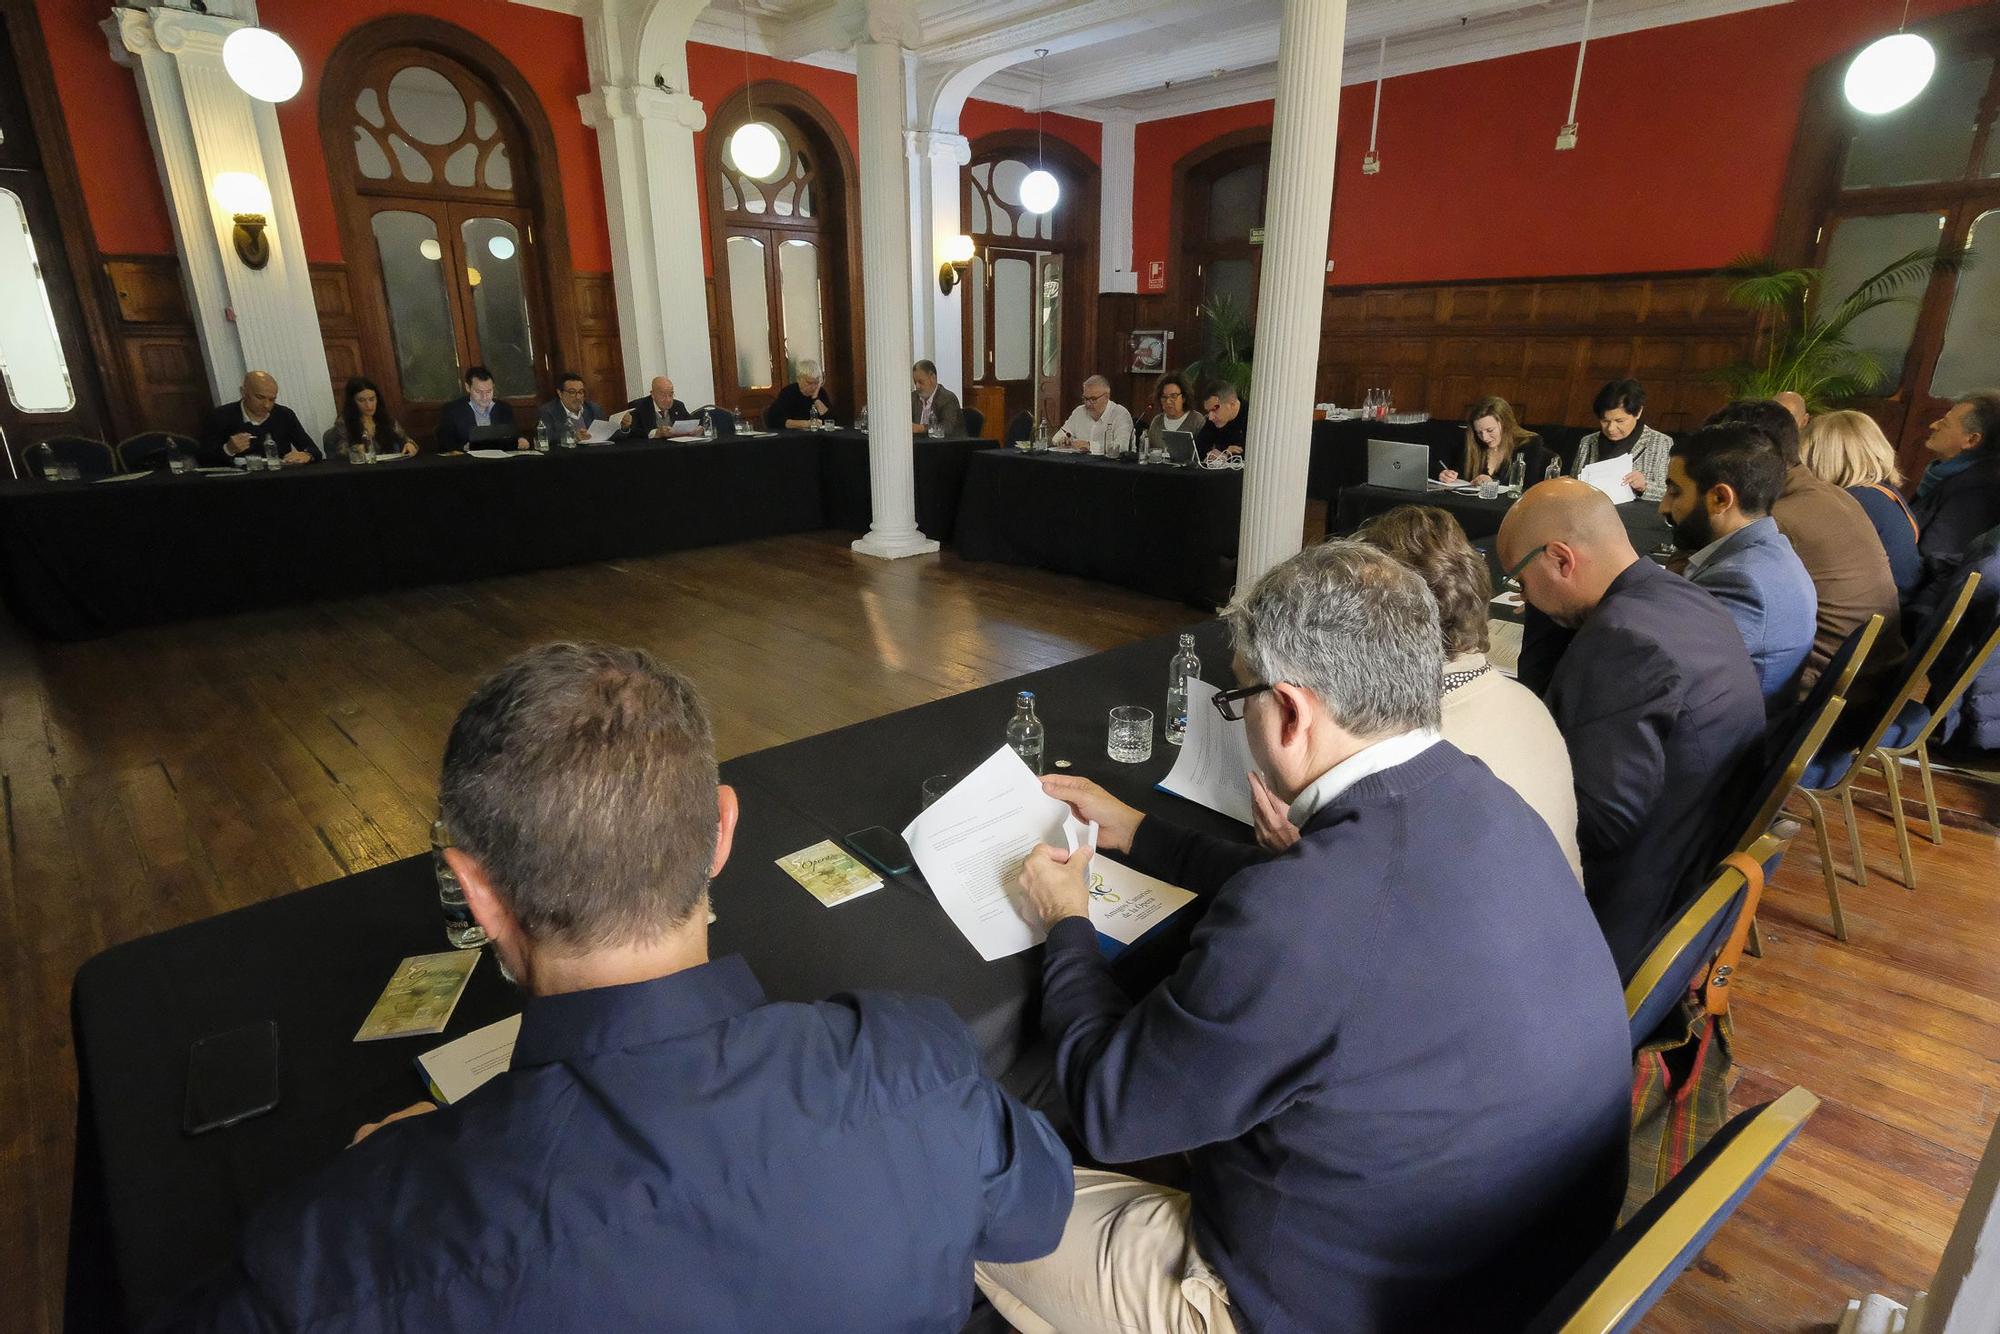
1566	137
754	148
262	64
1040	191
1891	71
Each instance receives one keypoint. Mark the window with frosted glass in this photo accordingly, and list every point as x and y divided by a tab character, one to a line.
798	283
1236	204
1861	247
419	314
500	303
1968	362
31	357
1013	318
750	308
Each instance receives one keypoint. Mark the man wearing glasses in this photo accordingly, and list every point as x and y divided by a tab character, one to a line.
1395	1055
1098	426
1656	696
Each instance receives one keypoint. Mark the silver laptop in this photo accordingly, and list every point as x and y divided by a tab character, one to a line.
1398	465
1179	445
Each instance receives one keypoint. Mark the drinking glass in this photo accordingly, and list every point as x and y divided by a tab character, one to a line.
936	786
459	928
1131	739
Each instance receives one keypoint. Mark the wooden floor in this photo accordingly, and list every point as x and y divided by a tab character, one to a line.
162	776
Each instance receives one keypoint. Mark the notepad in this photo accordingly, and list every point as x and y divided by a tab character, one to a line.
463	1064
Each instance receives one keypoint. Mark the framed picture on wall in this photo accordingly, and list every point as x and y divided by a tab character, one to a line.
1147	351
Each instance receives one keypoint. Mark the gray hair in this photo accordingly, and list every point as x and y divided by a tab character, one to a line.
1097	381
1353	625
809	370
582	779
1984	417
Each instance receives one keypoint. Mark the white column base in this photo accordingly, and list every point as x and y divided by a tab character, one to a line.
882	546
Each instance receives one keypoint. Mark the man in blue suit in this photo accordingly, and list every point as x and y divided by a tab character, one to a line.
1721	484
478	416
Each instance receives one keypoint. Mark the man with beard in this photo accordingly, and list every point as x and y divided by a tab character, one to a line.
1721	483
1655	694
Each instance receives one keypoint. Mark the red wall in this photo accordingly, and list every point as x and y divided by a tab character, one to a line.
107	131
1686	133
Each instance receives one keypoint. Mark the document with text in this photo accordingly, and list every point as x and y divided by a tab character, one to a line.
600	431
1213	768
1608	476
972	842
463	1064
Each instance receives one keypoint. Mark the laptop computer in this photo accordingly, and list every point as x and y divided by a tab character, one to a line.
499	433
1179	445
1398	465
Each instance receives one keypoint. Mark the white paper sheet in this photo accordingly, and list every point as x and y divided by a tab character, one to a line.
1608	476
463	1064
971	843
600	431
492	453
1213	767
1503	646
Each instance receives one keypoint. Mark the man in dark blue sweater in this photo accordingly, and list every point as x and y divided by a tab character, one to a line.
1656	696
1395	1055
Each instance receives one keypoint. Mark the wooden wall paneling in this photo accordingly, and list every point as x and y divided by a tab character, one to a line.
158	352
339	328
602	351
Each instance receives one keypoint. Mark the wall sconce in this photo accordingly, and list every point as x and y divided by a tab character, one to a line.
246	199
958	258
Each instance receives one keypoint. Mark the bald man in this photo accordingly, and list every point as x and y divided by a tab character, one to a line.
653	416
243	427
1654	694
1794	404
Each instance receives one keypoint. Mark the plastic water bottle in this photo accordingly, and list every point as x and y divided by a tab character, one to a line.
541	437
177	462
44	461
1185	667
1025	734
861	420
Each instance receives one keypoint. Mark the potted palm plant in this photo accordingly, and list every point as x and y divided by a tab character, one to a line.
1229	335
1807	339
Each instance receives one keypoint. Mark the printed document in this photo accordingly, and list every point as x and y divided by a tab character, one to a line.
1214	765
970	846
1608	476
600	431
463	1064
1503	646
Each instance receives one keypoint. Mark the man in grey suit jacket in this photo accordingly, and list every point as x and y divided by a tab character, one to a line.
934	409
1721	484
570	412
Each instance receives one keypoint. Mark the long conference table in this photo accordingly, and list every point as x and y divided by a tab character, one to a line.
155	1209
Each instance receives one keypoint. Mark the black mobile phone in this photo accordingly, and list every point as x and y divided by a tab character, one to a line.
232	1077
882	849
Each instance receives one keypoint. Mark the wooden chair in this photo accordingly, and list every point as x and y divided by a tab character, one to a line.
148	450
1708	937
1965	655
1630	1271
1898	721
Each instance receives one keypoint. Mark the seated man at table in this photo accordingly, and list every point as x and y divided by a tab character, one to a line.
934	410
1656	696
1837	544
243	427
1098	426
476	413
669	1149
1395	1056
653	417
803	404
1721	483
570	413
1221	436
1958	498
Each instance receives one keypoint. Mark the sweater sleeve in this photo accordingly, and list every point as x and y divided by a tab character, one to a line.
1198	863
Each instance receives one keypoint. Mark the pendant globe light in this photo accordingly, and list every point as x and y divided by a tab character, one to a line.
262	64
1040	191
1890	72
754	147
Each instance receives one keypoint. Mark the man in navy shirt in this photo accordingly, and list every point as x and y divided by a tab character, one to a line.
1395	1055
669	1151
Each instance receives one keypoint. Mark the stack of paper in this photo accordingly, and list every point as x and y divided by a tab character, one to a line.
971	845
1608	476
1213	768
598	432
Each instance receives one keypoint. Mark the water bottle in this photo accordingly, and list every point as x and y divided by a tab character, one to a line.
1025	734
43	461
177	462
1041	434
861	420
541	437
459	926
1184	668
1517	473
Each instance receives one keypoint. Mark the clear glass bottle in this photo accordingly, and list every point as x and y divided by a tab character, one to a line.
541	437
1041	441
459	927
1185	666
1025	735
861	420
44	465
177	462
1517	473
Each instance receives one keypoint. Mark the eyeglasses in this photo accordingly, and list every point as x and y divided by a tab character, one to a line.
1514	575
1095	398
1229	703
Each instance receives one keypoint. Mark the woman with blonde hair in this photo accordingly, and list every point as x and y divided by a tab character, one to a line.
1849	450
1494	438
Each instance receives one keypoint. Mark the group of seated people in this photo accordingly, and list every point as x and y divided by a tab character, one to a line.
1099	425
1382	1105
1495	440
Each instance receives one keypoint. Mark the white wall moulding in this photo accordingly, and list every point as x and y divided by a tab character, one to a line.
937	158
203	127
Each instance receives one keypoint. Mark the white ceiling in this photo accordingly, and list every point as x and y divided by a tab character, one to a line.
1153	58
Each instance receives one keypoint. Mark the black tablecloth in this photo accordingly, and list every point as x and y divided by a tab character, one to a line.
1162	530
940	476
1340	449
156	1209
1481	518
90	558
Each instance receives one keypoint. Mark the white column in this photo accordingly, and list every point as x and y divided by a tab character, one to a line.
936	161
885	296
1298	211
652	199
202	125
1114	205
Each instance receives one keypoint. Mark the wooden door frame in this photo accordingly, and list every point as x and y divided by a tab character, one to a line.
845	353
539	172
1192	172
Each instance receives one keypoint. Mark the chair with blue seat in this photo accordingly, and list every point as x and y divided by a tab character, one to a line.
92	458
1704	942
1899	720
1619	1284
975	424
147	451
